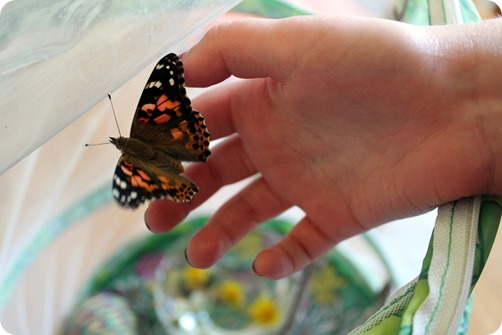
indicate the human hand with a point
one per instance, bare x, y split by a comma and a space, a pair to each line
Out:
352, 120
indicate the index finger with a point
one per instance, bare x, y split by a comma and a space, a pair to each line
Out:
245, 48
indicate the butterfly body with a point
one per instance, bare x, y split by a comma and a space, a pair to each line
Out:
165, 131
135, 149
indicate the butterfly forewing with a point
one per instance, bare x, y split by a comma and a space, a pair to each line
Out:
179, 130
164, 99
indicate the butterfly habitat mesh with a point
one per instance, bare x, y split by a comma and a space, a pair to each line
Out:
58, 60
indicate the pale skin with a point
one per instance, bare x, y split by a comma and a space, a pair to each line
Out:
356, 121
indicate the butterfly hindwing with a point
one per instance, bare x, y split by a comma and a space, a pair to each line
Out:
165, 131
135, 182
190, 139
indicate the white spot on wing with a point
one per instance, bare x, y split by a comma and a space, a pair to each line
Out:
156, 84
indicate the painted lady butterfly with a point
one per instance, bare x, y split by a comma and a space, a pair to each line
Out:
165, 131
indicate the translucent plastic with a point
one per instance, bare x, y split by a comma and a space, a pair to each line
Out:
60, 58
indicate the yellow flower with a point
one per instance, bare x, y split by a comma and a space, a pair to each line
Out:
264, 311
325, 284
195, 278
231, 292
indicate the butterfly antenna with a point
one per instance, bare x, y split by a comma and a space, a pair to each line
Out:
114, 115
116, 122
95, 144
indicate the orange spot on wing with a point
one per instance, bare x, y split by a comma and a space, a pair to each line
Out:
126, 169
143, 175
135, 181
164, 103
164, 181
147, 108
176, 133
149, 187
162, 119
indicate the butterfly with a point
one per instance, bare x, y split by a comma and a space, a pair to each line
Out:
165, 131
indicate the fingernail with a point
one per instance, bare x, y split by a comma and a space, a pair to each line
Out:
181, 55
186, 258
254, 269
146, 221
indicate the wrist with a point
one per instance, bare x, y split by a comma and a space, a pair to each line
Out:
474, 67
